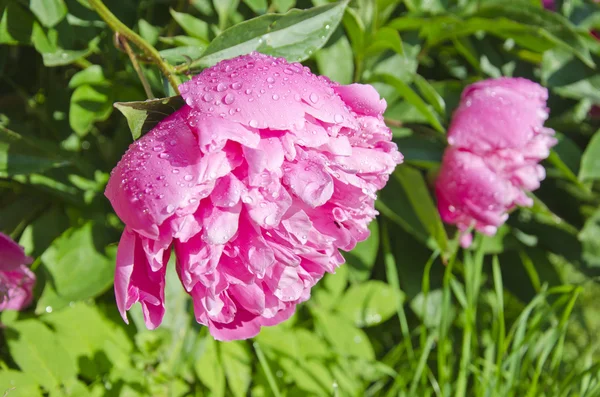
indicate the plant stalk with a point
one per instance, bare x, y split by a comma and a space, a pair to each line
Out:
151, 52
123, 41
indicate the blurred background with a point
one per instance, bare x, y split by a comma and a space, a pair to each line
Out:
410, 314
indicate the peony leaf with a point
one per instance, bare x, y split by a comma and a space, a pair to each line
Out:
590, 161
294, 35
209, 369
49, 12
37, 351
193, 26
18, 384
142, 116
20, 155
237, 362
369, 303
89, 105
344, 337
76, 269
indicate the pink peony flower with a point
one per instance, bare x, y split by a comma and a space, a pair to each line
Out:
255, 183
497, 138
548, 4
16, 280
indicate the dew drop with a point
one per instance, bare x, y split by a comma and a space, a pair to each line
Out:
188, 178
338, 118
271, 219
270, 80
208, 97
221, 87
175, 171
314, 98
236, 85
253, 123
275, 97
170, 209
229, 98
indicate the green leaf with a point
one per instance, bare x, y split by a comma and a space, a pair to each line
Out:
355, 29
88, 105
422, 204
39, 234
183, 41
182, 54
142, 116
237, 362
37, 351
22, 156
548, 25
92, 75
224, 9
294, 35
369, 303
386, 39
429, 308
344, 337
191, 25
283, 5
78, 266
18, 384
421, 151
16, 24
336, 61
86, 332
431, 95
49, 12
209, 368
569, 76
413, 98
590, 161
148, 32
590, 240
258, 6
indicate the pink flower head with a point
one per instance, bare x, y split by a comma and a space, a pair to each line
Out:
16, 280
497, 138
255, 183
548, 4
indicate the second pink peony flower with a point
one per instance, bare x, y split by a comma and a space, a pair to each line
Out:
497, 138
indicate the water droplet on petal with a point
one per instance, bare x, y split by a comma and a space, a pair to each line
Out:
188, 178
229, 98
275, 97
253, 123
338, 118
314, 98
221, 87
236, 85
170, 209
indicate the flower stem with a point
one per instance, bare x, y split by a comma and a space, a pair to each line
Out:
123, 41
151, 52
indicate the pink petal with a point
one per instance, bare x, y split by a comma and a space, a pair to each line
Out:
362, 98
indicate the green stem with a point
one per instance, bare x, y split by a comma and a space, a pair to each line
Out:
151, 52
137, 67
267, 370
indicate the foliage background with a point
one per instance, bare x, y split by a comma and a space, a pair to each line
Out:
409, 314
